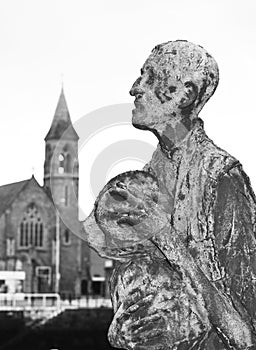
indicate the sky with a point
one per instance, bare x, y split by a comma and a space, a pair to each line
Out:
96, 49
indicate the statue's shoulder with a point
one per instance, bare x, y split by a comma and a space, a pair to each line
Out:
215, 160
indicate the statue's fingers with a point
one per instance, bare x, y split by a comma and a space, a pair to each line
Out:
158, 346
146, 322
139, 304
131, 308
149, 337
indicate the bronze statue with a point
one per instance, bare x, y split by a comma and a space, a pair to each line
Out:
182, 230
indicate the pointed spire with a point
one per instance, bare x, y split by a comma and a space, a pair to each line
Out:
62, 112
61, 122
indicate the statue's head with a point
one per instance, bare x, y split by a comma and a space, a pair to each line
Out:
128, 211
131, 208
176, 81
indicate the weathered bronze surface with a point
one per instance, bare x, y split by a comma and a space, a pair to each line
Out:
183, 230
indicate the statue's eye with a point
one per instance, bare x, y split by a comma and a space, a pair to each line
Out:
172, 89
155, 197
151, 77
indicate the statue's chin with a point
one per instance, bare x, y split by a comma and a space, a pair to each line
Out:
138, 120
141, 120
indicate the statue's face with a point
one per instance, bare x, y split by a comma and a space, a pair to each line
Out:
158, 95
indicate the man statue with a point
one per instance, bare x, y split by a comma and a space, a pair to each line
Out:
191, 286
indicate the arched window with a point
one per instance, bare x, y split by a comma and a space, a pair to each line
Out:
65, 163
31, 228
67, 238
61, 163
68, 166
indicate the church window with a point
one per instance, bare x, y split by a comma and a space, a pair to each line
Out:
41, 237
67, 238
68, 163
61, 163
26, 233
65, 161
10, 247
31, 228
22, 234
36, 233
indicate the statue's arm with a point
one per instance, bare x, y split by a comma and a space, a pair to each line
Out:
235, 244
231, 324
231, 310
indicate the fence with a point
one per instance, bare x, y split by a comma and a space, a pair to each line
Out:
29, 301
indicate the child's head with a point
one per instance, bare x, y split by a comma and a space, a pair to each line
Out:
127, 212
130, 209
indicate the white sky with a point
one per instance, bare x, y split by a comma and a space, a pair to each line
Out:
100, 47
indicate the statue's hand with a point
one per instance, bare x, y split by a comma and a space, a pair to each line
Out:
137, 325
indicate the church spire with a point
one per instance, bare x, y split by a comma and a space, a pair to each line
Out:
61, 122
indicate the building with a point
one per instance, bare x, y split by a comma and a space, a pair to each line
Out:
40, 248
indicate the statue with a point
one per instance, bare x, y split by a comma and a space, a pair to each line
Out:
183, 230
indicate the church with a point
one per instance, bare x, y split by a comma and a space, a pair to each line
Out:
40, 248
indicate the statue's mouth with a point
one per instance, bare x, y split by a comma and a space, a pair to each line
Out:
131, 218
138, 103
126, 218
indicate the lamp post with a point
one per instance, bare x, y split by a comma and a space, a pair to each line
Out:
57, 254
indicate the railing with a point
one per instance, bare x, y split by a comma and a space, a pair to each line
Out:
35, 302
29, 301
89, 302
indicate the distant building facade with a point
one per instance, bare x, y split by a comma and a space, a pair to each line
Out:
35, 242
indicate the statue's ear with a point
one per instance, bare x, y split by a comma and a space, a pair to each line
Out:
189, 95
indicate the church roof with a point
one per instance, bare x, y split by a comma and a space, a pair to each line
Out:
9, 192
61, 122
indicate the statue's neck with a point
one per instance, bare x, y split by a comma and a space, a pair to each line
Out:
172, 136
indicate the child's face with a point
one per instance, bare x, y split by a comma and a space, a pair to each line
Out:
128, 208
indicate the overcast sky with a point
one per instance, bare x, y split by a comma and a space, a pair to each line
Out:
99, 47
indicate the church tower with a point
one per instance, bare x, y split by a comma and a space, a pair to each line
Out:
61, 147
61, 180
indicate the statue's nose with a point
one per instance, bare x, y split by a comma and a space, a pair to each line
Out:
136, 88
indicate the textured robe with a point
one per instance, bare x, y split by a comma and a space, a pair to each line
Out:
213, 210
